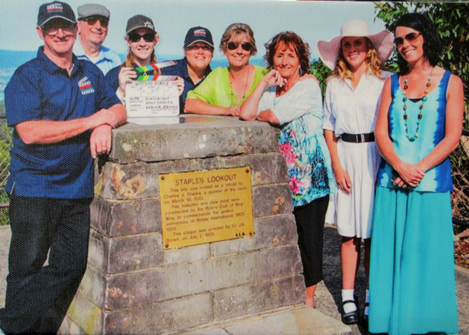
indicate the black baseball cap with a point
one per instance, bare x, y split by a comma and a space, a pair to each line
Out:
139, 21
198, 34
55, 10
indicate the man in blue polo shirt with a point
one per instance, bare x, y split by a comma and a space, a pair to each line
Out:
195, 66
62, 112
93, 22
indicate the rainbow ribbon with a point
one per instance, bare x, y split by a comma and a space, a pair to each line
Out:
142, 72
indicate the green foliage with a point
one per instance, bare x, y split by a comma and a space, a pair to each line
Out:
321, 72
5, 145
452, 22
460, 169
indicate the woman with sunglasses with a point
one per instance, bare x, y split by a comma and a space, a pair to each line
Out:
412, 280
286, 97
350, 109
225, 89
141, 39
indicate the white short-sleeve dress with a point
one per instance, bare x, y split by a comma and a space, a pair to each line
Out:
353, 111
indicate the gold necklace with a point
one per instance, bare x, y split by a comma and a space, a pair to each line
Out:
420, 116
245, 86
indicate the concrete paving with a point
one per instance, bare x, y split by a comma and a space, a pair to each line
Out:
323, 320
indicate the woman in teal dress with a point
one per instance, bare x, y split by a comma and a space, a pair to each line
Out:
412, 279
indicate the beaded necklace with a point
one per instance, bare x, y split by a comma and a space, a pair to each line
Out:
419, 118
245, 86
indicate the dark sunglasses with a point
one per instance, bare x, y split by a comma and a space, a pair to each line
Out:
93, 19
234, 45
411, 37
148, 37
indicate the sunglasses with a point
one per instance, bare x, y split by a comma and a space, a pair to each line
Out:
234, 45
53, 29
411, 37
148, 37
93, 19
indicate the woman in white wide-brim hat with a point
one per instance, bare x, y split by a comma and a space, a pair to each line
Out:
350, 108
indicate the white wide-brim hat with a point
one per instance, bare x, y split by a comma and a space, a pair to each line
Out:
382, 41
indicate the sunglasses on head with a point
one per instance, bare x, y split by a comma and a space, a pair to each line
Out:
93, 19
148, 37
234, 45
411, 37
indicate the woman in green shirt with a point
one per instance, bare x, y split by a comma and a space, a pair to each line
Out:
226, 88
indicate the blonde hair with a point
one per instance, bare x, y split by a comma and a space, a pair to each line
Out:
130, 59
373, 64
238, 29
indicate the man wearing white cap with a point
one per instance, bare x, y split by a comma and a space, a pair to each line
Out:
93, 22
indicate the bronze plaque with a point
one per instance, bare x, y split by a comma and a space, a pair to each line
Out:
206, 206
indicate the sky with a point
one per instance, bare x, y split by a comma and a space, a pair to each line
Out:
311, 20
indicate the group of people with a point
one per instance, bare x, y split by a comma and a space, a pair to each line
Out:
373, 158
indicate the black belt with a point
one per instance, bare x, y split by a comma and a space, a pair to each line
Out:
358, 138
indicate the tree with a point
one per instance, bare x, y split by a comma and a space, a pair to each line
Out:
321, 71
452, 22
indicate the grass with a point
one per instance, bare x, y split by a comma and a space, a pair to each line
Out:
5, 145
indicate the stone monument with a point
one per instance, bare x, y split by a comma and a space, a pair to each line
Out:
191, 225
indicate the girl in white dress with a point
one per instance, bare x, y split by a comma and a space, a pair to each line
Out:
351, 102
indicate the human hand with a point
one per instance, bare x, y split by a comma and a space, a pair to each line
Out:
104, 116
100, 140
126, 76
234, 110
409, 174
273, 78
180, 85
343, 180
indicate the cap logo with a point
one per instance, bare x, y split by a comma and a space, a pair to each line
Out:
85, 86
55, 7
199, 32
148, 25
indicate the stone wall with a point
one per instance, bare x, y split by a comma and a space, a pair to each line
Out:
133, 285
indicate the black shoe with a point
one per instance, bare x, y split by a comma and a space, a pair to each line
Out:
350, 318
365, 316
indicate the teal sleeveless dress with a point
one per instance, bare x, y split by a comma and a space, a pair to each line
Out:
412, 278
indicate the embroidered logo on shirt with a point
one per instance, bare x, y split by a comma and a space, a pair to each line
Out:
199, 32
85, 86
55, 7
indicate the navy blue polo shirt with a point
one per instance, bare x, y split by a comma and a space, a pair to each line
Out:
112, 77
40, 90
180, 69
